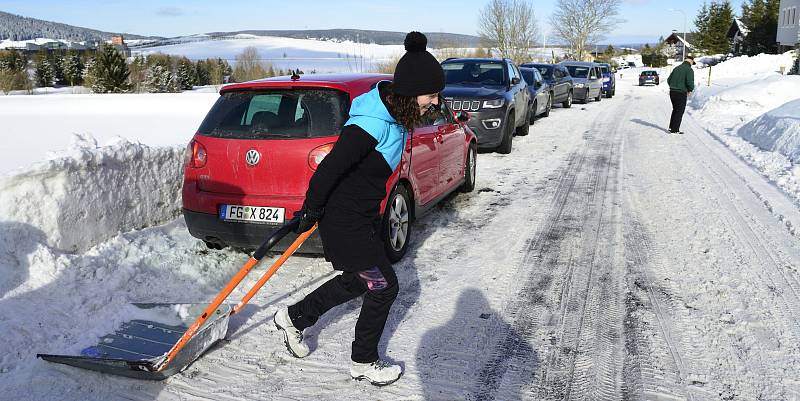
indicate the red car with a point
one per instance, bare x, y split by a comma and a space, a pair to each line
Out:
248, 166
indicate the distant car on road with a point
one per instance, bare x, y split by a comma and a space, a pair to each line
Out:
609, 81
541, 93
559, 80
494, 94
649, 77
587, 79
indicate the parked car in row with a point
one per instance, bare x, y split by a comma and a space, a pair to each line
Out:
609, 81
649, 77
494, 94
557, 76
541, 93
248, 166
587, 80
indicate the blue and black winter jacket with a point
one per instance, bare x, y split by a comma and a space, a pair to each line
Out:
350, 183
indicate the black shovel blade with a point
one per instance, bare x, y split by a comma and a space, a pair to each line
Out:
141, 343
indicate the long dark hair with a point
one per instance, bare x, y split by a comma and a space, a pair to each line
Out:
404, 109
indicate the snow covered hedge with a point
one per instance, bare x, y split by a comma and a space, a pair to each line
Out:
777, 130
92, 193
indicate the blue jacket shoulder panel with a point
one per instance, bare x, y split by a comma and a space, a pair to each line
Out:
369, 113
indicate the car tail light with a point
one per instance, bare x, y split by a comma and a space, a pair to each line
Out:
317, 154
195, 155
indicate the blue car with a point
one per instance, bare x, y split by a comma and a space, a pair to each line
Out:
609, 82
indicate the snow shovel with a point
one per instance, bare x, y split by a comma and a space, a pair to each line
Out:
163, 339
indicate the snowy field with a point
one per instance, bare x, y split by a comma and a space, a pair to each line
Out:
602, 259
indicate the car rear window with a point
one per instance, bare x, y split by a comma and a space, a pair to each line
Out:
270, 114
653, 73
578, 71
474, 73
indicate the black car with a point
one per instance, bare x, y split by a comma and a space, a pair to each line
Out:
494, 94
541, 93
559, 80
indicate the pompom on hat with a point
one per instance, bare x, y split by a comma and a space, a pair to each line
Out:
417, 72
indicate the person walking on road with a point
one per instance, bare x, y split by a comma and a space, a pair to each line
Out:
681, 85
344, 196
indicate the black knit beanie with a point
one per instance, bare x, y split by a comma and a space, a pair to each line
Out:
417, 72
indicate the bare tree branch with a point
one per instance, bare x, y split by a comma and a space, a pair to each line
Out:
511, 26
582, 22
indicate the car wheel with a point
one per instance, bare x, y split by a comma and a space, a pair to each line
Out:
469, 168
508, 136
397, 223
549, 106
525, 128
532, 116
568, 103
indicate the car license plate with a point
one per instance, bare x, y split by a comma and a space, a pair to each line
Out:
251, 214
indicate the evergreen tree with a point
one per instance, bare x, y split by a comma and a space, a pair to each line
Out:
761, 19
57, 60
186, 74
202, 73
701, 23
110, 72
73, 68
712, 24
44, 70
12, 71
160, 80
138, 69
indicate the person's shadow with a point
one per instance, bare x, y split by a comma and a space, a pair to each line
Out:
475, 356
649, 124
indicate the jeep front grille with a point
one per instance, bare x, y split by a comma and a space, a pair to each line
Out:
463, 104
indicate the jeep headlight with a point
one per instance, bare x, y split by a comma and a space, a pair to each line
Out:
579, 85
493, 104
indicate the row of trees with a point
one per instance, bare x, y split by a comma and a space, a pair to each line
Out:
760, 18
511, 27
107, 71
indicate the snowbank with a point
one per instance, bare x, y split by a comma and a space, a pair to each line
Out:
754, 110
90, 194
777, 131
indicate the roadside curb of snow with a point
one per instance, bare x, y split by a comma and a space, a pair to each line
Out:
88, 194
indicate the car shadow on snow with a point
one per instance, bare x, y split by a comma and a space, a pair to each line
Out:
476, 355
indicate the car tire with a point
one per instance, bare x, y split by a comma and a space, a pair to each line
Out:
525, 128
532, 116
568, 103
549, 105
396, 231
508, 136
469, 168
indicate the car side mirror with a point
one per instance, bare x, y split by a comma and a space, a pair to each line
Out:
515, 81
462, 116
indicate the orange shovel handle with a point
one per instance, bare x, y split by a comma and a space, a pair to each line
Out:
243, 272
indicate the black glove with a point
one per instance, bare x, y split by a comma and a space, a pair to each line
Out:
308, 217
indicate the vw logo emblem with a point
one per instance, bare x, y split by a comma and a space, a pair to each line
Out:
252, 157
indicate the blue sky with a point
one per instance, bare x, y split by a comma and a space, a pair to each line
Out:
645, 20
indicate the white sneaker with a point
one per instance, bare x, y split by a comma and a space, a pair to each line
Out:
292, 337
379, 373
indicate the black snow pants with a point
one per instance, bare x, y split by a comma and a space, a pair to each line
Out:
379, 284
678, 100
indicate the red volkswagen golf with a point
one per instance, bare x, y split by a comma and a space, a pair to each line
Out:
248, 166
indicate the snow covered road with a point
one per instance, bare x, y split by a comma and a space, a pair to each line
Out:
602, 259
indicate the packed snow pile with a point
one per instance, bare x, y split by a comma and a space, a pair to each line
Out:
755, 110
88, 194
777, 130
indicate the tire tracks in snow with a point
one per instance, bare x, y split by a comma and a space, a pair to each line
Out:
570, 296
